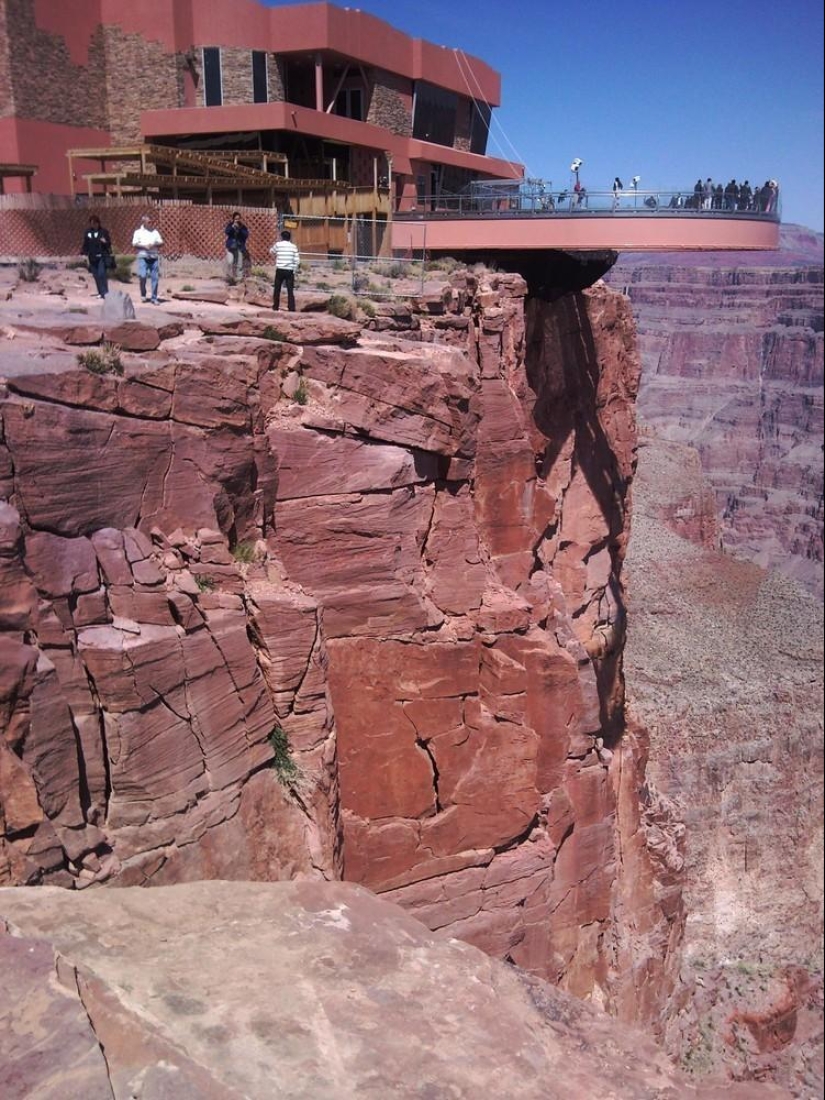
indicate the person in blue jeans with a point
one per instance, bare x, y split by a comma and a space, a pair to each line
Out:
237, 256
97, 248
147, 241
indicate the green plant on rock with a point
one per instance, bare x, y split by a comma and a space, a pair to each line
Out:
103, 360
282, 762
271, 333
28, 271
301, 395
205, 584
368, 307
187, 288
244, 552
340, 306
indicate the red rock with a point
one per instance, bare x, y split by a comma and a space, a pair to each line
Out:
133, 336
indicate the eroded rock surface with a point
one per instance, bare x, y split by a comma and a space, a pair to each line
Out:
301, 989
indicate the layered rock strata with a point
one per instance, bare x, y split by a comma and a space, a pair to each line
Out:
744, 335
295, 597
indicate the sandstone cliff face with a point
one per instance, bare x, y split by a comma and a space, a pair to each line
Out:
400, 549
743, 335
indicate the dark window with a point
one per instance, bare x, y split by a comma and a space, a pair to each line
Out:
479, 127
259, 85
212, 91
434, 114
349, 104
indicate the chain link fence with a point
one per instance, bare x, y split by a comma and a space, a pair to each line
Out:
338, 255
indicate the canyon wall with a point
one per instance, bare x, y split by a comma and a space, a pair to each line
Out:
732, 356
297, 596
724, 665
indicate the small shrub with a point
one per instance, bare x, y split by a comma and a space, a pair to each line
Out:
78, 309
102, 360
444, 263
244, 552
339, 265
368, 308
397, 270
186, 288
271, 333
339, 306
28, 271
205, 584
76, 265
282, 761
301, 395
321, 285
123, 269
259, 273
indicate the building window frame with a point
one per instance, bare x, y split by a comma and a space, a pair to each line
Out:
260, 85
349, 103
212, 67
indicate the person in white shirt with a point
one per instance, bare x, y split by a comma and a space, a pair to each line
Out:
147, 241
287, 261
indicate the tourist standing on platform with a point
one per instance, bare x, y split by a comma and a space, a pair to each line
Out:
237, 256
147, 241
287, 261
618, 187
97, 248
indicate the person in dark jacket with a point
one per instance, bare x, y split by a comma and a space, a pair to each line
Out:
237, 235
97, 248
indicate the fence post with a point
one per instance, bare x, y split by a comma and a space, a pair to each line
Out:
423, 257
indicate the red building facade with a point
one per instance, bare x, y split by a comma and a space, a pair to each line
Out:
342, 94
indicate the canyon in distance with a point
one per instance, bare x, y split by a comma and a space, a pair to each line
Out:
450, 669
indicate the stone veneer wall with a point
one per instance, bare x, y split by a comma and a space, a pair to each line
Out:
236, 77
39, 53
276, 85
463, 124
6, 87
124, 74
140, 76
388, 104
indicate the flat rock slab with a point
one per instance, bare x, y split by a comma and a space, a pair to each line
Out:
303, 989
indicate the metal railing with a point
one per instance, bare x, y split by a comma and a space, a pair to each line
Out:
538, 199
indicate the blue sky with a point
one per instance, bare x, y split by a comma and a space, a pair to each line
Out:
668, 90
